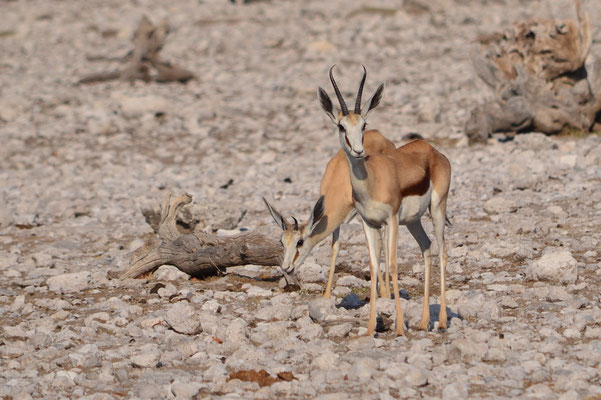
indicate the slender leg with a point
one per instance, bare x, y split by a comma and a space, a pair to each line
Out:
438, 220
371, 234
393, 228
418, 233
335, 251
384, 286
384, 233
442, 320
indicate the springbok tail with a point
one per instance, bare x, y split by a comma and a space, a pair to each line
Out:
412, 136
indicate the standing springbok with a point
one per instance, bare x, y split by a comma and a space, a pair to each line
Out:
334, 207
393, 188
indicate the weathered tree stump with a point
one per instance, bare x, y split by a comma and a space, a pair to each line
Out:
541, 78
199, 253
144, 61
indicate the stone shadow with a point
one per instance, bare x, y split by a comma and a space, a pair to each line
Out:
435, 314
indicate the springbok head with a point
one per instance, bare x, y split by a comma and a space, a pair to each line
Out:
296, 238
351, 124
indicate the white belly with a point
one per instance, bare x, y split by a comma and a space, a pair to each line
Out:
413, 207
373, 212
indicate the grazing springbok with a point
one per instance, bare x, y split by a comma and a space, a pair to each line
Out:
391, 189
334, 207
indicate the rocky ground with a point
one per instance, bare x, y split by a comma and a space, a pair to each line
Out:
78, 162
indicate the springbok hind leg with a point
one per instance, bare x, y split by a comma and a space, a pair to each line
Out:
438, 220
420, 236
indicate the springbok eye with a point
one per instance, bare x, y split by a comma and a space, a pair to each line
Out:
300, 243
341, 128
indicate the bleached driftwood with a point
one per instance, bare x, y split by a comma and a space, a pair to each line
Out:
541, 78
144, 61
199, 253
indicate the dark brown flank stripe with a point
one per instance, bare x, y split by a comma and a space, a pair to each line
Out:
418, 188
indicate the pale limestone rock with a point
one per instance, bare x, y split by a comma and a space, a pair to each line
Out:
68, 283
555, 266
183, 318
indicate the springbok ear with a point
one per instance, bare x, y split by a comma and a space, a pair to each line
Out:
277, 217
373, 101
317, 213
326, 104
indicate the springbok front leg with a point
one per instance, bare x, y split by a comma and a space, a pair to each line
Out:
383, 282
335, 251
372, 234
392, 229
420, 236
384, 289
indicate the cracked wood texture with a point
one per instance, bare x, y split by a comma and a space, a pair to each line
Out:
541, 78
199, 253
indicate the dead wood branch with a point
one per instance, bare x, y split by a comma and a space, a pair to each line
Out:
203, 217
538, 73
199, 253
144, 61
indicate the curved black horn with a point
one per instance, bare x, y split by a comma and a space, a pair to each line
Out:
295, 224
338, 94
360, 92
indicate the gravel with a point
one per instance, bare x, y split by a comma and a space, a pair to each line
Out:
79, 163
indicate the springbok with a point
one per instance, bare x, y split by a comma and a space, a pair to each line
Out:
334, 207
391, 189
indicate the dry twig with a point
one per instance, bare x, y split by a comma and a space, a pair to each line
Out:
144, 61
